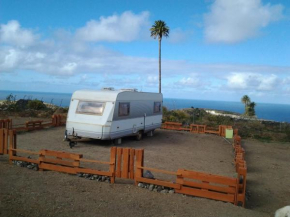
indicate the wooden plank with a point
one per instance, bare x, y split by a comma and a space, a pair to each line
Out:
131, 166
62, 154
207, 186
95, 161
57, 161
18, 158
207, 177
25, 151
119, 162
113, 163
5, 151
158, 170
57, 168
1, 141
125, 164
139, 163
207, 194
158, 182
93, 171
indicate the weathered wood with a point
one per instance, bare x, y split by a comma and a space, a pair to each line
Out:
206, 194
57, 168
158, 182
61, 154
93, 171
25, 151
36, 161
131, 166
113, 163
1, 141
125, 164
157, 170
58, 161
139, 163
119, 162
6, 140
207, 177
95, 161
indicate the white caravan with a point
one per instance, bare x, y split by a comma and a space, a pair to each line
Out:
112, 114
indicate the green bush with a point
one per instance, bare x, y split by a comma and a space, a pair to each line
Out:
36, 105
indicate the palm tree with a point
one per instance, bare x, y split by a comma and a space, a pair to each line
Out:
158, 30
246, 100
251, 109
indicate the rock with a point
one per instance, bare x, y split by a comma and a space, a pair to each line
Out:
148, 175
155, 190
151, 187
19, 163
92, 178
80, 175
159, 188
87, 176
103, 178
108, 181
30, 167
99, 179
171, 191
95, 176
164, 191
35, 168
141, 185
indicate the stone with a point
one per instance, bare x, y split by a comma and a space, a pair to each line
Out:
159, 188
164, 191
171, 191
141, 185
80, 175
35, 168
155, 190
30, 167
103, 178
19, 163
148, 175
92, 178
95, 176
151, 187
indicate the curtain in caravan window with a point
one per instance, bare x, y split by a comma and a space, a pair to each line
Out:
124, 109
86, 107
157, 107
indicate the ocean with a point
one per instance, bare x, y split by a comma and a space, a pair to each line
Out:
267, 111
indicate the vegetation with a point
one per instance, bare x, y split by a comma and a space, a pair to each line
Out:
266, 131
249, 106
158, 30
28, 108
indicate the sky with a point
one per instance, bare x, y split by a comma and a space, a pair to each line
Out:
216, 49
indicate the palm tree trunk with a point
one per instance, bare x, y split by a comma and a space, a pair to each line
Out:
159, 65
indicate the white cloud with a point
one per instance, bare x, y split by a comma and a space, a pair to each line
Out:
252, 81
12, 33
189, 82
178, 35
231, 21
125, 27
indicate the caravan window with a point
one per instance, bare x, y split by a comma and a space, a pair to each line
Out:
157, 107
124, 109
89, 107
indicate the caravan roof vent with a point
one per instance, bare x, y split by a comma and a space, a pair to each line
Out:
108, 88
132, 90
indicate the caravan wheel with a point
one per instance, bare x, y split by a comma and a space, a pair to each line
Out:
139, 135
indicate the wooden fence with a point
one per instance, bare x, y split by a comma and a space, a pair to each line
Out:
128, 163
196, 128
56, 121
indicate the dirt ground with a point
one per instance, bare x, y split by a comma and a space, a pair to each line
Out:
24, 192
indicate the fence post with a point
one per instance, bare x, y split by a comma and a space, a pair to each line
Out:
113, 163
1, 140
12, 144
139, 163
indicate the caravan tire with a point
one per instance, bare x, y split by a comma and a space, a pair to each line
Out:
139, 135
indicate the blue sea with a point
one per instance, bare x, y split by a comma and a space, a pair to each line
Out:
267, 111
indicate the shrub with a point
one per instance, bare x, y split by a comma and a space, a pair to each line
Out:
36, 105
